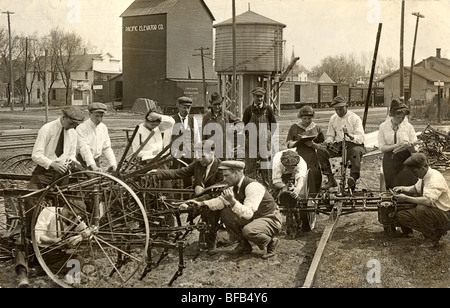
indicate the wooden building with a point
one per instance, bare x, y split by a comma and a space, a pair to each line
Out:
159, 41
259, 55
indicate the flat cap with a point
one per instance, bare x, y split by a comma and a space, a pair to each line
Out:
416, 160
290, 158
338, 101
73, 113
259, 90
97, 107
232, 165
184, 100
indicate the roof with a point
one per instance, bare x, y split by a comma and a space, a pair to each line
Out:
84, 62
155, 7
444, 61
426, 73
325, 79
250, 18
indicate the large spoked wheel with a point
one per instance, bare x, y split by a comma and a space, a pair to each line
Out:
101, 228
308, 218
18, 164
8, 225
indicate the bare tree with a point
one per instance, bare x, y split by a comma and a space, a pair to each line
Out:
64, 47
342, 69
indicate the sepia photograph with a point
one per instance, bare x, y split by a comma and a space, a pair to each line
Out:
225, 150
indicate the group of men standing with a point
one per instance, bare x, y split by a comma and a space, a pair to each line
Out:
203, 158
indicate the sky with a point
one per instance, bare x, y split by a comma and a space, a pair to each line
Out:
314, 29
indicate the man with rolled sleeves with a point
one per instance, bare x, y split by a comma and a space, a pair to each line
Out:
94, 141
53, 152
248, 211
343, 124
431, 195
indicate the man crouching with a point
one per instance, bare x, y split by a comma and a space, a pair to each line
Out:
249, 211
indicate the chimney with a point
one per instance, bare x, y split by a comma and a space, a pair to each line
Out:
438, 53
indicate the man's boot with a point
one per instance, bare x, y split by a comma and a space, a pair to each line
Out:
271, 248
330, 183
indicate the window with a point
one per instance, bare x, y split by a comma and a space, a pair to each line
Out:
77, 95
38, 93
86, 75
53, 94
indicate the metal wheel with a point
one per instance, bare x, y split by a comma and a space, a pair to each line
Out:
308, 218
104, 245
8, 225
18, 164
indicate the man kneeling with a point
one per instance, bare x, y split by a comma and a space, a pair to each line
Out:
249, 211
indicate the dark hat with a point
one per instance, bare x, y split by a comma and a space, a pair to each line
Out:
232, 165
215, 97
73, 113
338, 101
184, 100
306, 111
398, 106
290, 158
97, 107
416, 160
259, 90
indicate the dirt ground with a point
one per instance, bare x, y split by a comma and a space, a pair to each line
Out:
359, 254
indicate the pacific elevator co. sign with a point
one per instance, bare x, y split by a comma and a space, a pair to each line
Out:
143, 28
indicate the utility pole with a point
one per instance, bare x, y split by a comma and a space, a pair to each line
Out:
25, 75
11, 79
418, 15
203, 53
402, 93
234, 81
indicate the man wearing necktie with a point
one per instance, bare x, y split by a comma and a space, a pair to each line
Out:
186, 128
54, 148
248, 211
431, 195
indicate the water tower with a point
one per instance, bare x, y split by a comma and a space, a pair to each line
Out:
259, 58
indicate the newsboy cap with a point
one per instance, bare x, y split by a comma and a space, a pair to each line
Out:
232, 165
73, 113
259, 90
416, 160
338, 101
97, 107
184, 100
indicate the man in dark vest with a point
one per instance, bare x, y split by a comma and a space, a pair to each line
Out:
186, 128
248, 211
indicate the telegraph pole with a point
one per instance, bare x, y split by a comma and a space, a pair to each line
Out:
11, 79
402, 93
25, 75
234, 81
418, 15
203, 52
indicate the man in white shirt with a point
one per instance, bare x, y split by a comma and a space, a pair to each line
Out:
53, 152
248, 211
344, 124
93, 140
431, 216
281, 168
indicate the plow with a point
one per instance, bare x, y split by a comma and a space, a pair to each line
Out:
131, 222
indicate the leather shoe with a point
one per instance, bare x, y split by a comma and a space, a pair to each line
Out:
271, 248
351, 182
244, 247
331, 183
23, 283
212, 251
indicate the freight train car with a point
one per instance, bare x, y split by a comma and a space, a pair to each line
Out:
294, 94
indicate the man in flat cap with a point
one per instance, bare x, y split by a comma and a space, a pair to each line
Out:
53, 152
206, 173
431, 195
220, 124
186, 135
344, 124
248, 211
258, 145
94, 141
